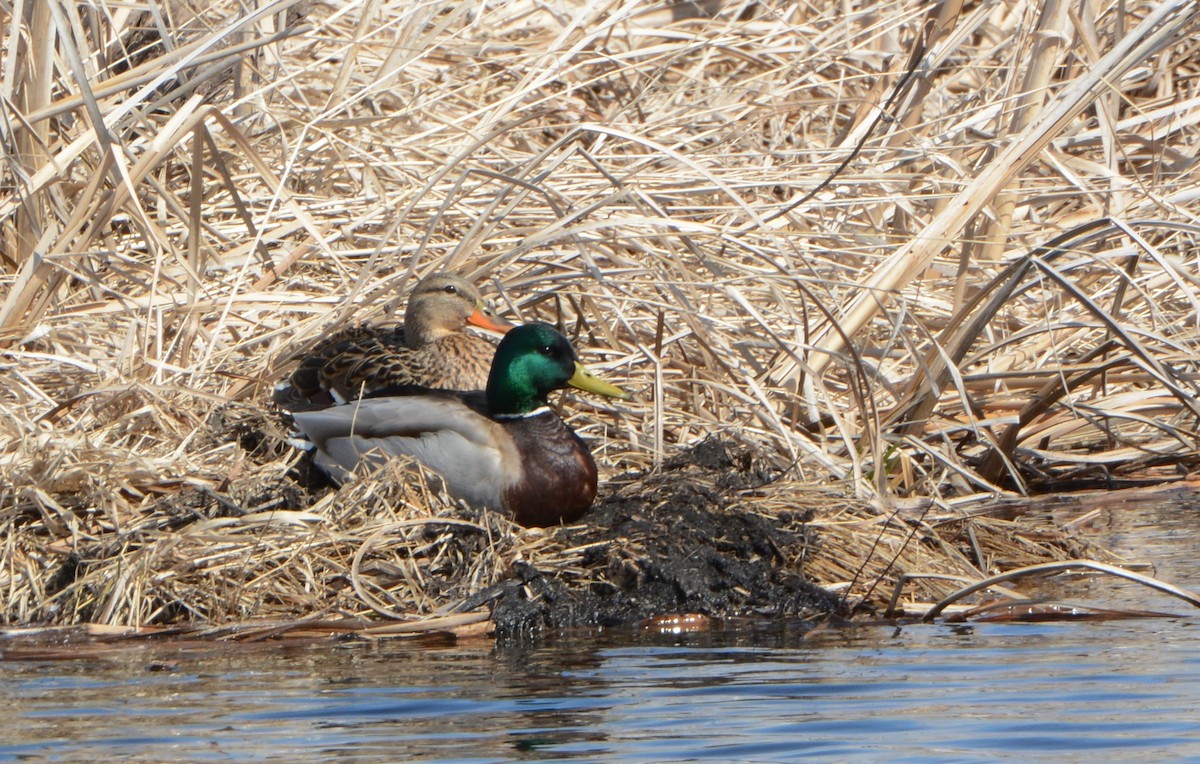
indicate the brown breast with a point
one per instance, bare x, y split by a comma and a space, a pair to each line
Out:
559, 480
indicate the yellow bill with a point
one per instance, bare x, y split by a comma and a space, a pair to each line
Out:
585, 380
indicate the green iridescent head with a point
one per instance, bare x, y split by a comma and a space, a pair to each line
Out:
533, 360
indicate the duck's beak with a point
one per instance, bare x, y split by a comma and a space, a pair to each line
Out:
585, 380
484, 318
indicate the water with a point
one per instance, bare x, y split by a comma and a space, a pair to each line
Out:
1067, 691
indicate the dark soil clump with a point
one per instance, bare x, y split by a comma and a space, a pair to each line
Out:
685, 539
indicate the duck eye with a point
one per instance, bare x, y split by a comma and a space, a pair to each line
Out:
546, 350
450, 289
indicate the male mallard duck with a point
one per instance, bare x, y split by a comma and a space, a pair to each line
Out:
504, 449
430, 350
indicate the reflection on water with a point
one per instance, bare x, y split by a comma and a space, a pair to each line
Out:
1062, 691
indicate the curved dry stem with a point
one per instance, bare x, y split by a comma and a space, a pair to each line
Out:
1053, 567
368, 543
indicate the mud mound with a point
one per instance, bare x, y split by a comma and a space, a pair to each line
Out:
683, 539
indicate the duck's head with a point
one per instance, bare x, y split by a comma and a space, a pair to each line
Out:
533, 360
444, 303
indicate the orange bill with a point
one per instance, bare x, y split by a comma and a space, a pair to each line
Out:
484, 318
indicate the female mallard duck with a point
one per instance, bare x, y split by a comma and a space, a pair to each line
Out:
504, 449
430, 350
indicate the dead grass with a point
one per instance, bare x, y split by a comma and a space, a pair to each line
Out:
929, 260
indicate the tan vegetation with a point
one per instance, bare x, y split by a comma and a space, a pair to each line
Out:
919, 257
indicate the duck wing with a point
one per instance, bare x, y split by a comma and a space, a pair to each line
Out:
362, 364
473, 453
337, 363
454, 362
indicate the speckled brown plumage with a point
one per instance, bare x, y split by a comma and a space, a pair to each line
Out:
353, 368
431, 350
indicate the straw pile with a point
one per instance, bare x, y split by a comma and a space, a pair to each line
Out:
905, 258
